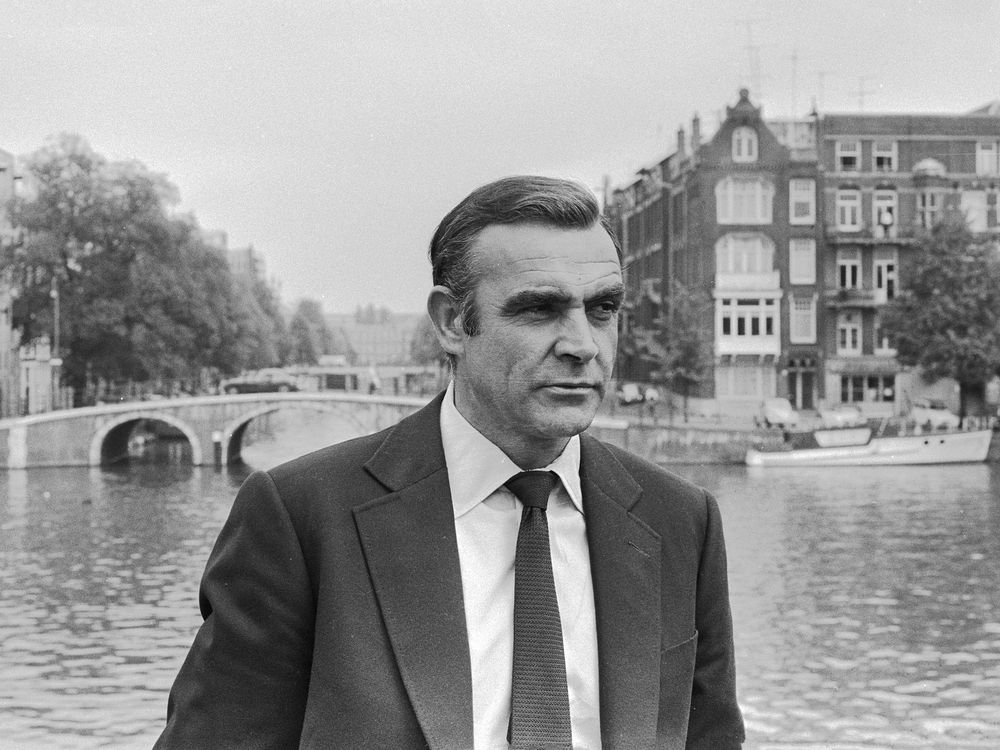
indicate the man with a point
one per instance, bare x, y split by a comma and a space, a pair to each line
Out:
365, 596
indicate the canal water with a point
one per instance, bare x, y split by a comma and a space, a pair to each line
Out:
866, 601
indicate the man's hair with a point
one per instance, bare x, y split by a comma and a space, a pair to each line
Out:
523, 199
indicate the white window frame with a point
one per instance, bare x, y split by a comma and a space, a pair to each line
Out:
739, 253
987, 158
886, 271
975, 211
882, 347
744, 200
849, 210
929, 204
885, 150
849, 334
848, 149
802, 193
748, 318
884, 201
802, 320
848, 268
745, 144
802, 260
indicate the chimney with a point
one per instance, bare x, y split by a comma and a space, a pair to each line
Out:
695, 132
680, 142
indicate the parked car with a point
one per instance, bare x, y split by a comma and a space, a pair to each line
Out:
776, 412
841, 415
263, 381
629, 393
935, 412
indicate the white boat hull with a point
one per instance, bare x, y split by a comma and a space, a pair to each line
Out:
930, 448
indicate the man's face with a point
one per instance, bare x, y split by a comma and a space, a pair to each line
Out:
536, 372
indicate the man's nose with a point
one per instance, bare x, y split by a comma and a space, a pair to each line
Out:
576, 337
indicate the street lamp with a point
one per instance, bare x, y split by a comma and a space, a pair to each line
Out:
55, 361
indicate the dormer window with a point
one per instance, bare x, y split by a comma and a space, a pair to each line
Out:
744, 144
848, 156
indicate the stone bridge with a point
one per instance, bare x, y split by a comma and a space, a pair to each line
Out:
213, 425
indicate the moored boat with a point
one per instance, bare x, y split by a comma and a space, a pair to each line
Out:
868, 446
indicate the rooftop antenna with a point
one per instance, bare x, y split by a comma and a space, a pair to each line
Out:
795, 76
821, 80
753, 57
862, 91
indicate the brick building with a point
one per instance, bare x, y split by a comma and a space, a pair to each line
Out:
888, 178
735, 218
796, 231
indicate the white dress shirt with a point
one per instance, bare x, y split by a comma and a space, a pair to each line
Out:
487, 517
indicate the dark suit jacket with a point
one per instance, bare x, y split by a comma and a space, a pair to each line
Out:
334, 617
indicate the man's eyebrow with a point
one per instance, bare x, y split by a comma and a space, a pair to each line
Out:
615, 292
534, 298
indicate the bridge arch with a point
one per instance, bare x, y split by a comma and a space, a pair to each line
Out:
120, 426
232, 432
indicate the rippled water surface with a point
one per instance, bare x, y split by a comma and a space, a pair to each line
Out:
867, 601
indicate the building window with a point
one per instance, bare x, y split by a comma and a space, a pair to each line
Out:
856, 389
803, 322
885, 278
848, 156
885, 209
986, 159
802, 199
744, 144
973, 205
928, 208
744, 200
884, 157
802, 261
848, 334
744, 253
871, 388
849, 210
848, 268
748, 318
882, 346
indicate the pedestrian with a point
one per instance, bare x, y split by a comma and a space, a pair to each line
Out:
480, 575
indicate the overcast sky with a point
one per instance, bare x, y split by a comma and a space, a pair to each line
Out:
333, 136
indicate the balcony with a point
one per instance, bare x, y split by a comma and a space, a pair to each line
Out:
747, 282
869, 235
754, 345
839, 298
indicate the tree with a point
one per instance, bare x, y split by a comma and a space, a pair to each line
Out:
308, 333
675, 345
142, 297
946, 317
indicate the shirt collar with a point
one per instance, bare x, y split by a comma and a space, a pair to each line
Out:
477, 467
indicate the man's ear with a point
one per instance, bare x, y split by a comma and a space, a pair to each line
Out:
446, 317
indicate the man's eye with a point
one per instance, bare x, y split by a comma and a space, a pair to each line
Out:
604, 311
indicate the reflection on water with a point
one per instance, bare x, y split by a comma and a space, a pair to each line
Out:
865, 601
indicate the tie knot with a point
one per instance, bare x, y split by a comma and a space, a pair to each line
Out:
532, 487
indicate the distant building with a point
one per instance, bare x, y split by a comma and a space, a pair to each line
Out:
374, 335
244, 261
888, 178
735, 218
796, 230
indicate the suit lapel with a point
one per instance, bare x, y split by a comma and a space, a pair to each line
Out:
409, 542
625, 567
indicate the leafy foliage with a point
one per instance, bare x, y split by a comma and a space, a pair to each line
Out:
675, 345
142, 296
308, 334
946, 318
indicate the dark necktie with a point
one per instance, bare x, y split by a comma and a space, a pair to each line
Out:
539, 696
